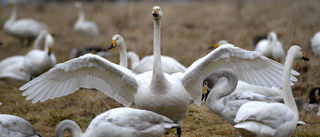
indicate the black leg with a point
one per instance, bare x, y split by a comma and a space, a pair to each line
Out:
179, 131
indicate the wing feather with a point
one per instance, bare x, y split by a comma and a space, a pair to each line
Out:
250, 66
88, 71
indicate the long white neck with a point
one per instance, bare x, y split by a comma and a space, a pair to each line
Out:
134, 58
286, 88
226, 89
158, 78
13, 16
81, 15
123, 54
39, 40
70, 125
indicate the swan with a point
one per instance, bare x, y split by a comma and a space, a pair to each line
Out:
22, 28
271, 47
169, 64
83, 26
38, 61
218, 98
123, 121
165, 94
11, 125
13, 67
315, 44
258, 118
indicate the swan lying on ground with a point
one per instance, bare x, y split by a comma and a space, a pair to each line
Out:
271, 47
39, 61
124, 122
315, 44
257, 118
169, 64
13, 67
165, 94
14, 126
83, 26
22, 28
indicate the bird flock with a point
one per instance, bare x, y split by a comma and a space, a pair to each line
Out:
251, 90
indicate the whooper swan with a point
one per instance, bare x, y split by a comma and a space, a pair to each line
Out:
39, 61
83, 26
271, 47
22, 28
169, 64
11, 125
124, 122
165, 94
258, 118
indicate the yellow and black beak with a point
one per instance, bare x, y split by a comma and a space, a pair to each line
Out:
49, 51
205, 93
155, 13
113, 44
304, 57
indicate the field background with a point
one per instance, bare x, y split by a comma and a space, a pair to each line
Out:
188, 29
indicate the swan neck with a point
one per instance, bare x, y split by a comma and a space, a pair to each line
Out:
38, 41
123, 55
13, 16
81, 15
158, 77
286, 87
228, 87
72, 126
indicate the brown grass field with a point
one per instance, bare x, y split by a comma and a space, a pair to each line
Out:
188, 29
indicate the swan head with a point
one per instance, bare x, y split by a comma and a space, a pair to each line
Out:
156, 12
297, 52
116, 39
219, 43
208, 83
272, 36
78, 5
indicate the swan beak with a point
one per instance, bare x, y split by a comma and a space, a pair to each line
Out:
49, 51
155, 12
304, 57
113, 44
205, 93
94, 52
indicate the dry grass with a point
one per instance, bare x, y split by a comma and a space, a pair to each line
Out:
188, 28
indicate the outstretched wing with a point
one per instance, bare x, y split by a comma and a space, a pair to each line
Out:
88, 71
250, 66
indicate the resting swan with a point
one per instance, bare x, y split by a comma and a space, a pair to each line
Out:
258, 118
22, 28
165, 94
39, 61
169, 64
11, 125
13, 67
83, 26
315, 44
271, 47
124, 122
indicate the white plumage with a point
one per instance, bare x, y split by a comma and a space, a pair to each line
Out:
217, 93
271, 47
258, 118
120, 122
83, 26
165, 94
13, 67
22, 28
14, 126
39, 61
315, 44
169, 64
